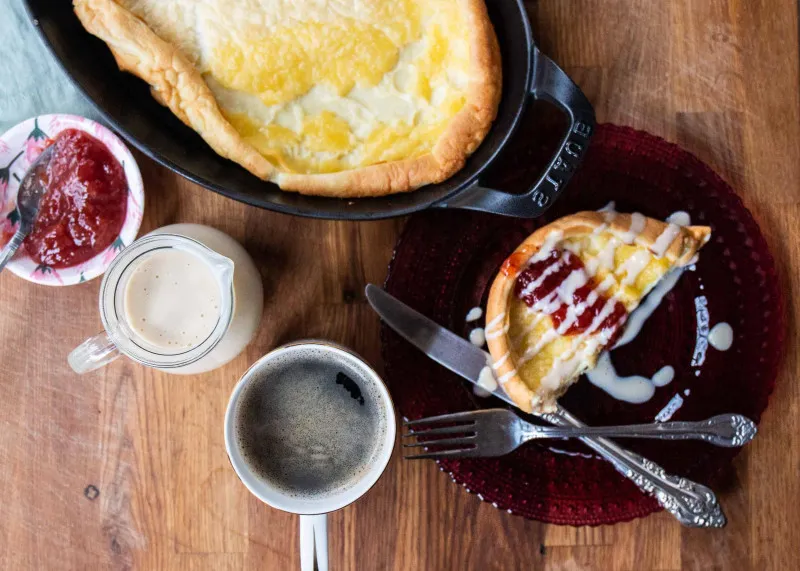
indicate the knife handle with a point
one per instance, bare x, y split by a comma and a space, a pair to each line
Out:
692, 504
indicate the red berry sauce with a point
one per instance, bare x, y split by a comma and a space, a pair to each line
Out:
552, 271
84, 208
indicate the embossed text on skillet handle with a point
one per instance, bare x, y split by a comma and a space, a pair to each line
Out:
692, 504
548, 83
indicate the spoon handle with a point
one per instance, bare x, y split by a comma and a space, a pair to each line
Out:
13, 245
727, 430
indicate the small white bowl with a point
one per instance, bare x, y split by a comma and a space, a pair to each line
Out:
19, 147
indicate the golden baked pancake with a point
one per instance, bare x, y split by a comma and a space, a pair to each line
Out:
565, 293
325, 97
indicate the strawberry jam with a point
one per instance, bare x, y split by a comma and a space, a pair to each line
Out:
559, 283
85, 205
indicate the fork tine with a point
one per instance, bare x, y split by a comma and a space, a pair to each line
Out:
458, 453
443, 442
462, 428
455, 417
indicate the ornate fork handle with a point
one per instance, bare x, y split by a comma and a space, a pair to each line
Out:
728, 430
692, 504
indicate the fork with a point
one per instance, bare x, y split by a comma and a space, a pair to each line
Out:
495, 432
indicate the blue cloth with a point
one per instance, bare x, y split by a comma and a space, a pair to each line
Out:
31, 81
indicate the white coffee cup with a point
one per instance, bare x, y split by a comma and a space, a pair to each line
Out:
312, 511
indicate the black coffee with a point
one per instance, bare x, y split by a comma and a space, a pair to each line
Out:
310, 423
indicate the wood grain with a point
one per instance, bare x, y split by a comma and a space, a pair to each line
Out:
125, 468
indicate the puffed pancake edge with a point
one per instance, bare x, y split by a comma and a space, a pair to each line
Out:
177, 84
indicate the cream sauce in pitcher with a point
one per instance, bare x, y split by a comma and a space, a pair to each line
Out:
172, 300
185, 299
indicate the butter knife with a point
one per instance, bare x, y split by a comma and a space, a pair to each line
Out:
692, 504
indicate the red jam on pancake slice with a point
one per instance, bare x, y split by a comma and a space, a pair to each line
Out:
560, 287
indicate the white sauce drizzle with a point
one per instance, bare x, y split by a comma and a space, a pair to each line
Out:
721, 336
571, 453
531, 352
605, 258
551, 269
633, 266
562, 295
680, 218
575, 311
477, 337
499, 363
496, 321
474, 314
547, 304
639, 315
665, 240
637, 225
547, 246
670, 408
537, 318
635, 389
486, 380
507, 377
479, 391
701, 338
563, 365
663, 376
609, 213
575, 279
551, 334
498, 332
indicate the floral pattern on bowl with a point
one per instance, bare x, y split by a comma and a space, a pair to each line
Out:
19, 147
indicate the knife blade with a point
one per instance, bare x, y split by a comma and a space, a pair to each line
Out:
437, 342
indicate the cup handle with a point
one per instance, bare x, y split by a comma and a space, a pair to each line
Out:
95, 352
314, 542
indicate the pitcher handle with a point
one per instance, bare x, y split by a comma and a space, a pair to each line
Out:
95, 352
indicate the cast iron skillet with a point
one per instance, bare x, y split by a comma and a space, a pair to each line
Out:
126, 103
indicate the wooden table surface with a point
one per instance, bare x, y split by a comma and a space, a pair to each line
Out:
125, 468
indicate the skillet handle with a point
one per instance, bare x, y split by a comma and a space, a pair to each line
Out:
551, 84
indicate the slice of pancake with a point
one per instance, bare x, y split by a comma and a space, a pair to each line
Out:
565, 293
327, 97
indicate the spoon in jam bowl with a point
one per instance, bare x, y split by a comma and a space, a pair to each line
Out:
31, 190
